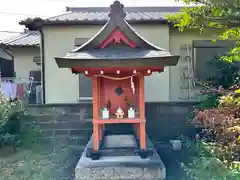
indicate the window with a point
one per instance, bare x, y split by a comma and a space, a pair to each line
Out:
6, 68
37, 60
85, 87
85, 83
206, 50
193, 66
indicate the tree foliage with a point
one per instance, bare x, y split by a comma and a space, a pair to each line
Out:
219, 114
226, 73
220, 15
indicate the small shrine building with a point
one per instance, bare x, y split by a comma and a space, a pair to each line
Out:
117, 58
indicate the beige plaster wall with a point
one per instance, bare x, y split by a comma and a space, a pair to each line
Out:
157, 85
23, 61
62, 86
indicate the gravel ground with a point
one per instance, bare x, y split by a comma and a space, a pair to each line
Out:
40, 162
43, 162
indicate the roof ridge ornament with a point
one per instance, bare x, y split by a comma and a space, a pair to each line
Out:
117, 10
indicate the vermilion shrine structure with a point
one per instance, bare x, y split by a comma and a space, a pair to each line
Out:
116, 59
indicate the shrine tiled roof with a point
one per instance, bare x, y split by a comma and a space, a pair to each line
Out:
117, 44
118, 53
117, 57
26, 39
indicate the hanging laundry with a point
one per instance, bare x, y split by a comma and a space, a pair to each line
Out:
5, 89
20, 91
9, 90
13, 91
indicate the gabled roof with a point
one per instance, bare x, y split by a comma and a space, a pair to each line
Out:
26, 39
99, 16
118, 41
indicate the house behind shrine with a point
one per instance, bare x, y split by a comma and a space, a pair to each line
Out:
62, 33
24, 51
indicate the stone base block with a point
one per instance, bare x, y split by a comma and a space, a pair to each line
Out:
121, 166
119, 173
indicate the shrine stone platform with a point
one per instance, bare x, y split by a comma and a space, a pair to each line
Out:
120, 162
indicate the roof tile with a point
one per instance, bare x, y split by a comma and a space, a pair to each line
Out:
29, 39
92, 14
103, 16
99, 15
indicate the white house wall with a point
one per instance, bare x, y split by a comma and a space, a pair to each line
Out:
63, 87
23, 61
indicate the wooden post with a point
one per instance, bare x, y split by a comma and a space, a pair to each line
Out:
95, 137
142, 128
101, 131
137, 126
143, 135
95, 113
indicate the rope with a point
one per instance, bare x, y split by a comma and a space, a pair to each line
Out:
117, 78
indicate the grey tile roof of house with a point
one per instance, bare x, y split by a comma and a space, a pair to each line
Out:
26, 39
99, 16
101, 13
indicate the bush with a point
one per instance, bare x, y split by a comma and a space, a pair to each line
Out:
222, 124
226, 72
12, 128
204, 165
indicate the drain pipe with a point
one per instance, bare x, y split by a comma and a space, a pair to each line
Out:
42, 65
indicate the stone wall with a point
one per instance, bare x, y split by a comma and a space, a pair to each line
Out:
168, 120
63, 120
165, 120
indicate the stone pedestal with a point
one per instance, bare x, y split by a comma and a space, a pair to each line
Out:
120, 162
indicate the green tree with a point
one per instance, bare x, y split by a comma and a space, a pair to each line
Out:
221, 15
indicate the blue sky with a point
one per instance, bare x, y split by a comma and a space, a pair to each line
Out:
12, 11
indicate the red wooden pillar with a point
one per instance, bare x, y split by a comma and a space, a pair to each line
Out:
95, 92
142, 126
137, 126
